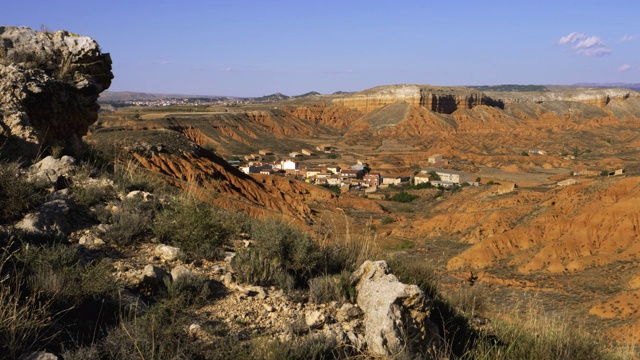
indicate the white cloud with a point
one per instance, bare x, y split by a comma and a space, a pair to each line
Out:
586, 45
165, 62
626, 38
573, 37
623, 68
227, 69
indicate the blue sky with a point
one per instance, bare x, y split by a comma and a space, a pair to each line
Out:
258, 47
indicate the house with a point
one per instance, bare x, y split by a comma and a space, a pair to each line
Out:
308, 152
444, 184
507, 189
294, 154
390, 180
334, 169
352, 174
537, 152
255, 169
373, 179
421, 179
567, 182
234, 162
435, 158
585, 172
325, 148
251, 157
360, 166
454, 176
265, 152
289, 164
334, 180
310, 172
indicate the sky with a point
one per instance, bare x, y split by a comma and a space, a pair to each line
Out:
260, 47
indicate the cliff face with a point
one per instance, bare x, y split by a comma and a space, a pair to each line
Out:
49, 85
443, 100
447, 100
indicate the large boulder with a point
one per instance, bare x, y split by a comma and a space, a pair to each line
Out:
396, 315
49, 86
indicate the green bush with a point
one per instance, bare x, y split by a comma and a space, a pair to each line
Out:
309, 347
197, 228
404, 197
17, 194
93, 194
56, 272
253, 267
289, 246
328, 288
130, 222
387, 220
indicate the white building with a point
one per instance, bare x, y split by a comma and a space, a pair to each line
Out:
289, 164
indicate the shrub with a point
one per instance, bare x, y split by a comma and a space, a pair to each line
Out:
531, 335
253, 267
197, 228
327, 288
311, 347
131, 221
55, 271
289, 246
17, 194
93, 194
404, 197
24, 319
387, 220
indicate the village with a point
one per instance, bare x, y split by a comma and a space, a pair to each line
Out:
358, 176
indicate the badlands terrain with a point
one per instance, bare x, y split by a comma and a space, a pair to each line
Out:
573, 248
217, 228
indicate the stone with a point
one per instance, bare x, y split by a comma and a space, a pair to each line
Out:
391, 308
90, 240
347, 311
228, 280
314, 319
154, 273
180, 272
140, 195
53, 219
49, 87
268, 308
194, 328
229, 255
39, 355
51, 169
167, 252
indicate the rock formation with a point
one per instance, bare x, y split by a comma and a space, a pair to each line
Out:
49, 85
393, 312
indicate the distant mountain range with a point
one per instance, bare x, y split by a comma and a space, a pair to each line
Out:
635, 86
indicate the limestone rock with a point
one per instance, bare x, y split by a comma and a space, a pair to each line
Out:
49, 85
167, 252
53, 219
347, 311
314, 319
39, 355
140, 195
51, 169
180, 272
390, 308
153, 274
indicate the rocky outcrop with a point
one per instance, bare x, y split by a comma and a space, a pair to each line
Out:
447, 100
49, 85
443, 100
393, 312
